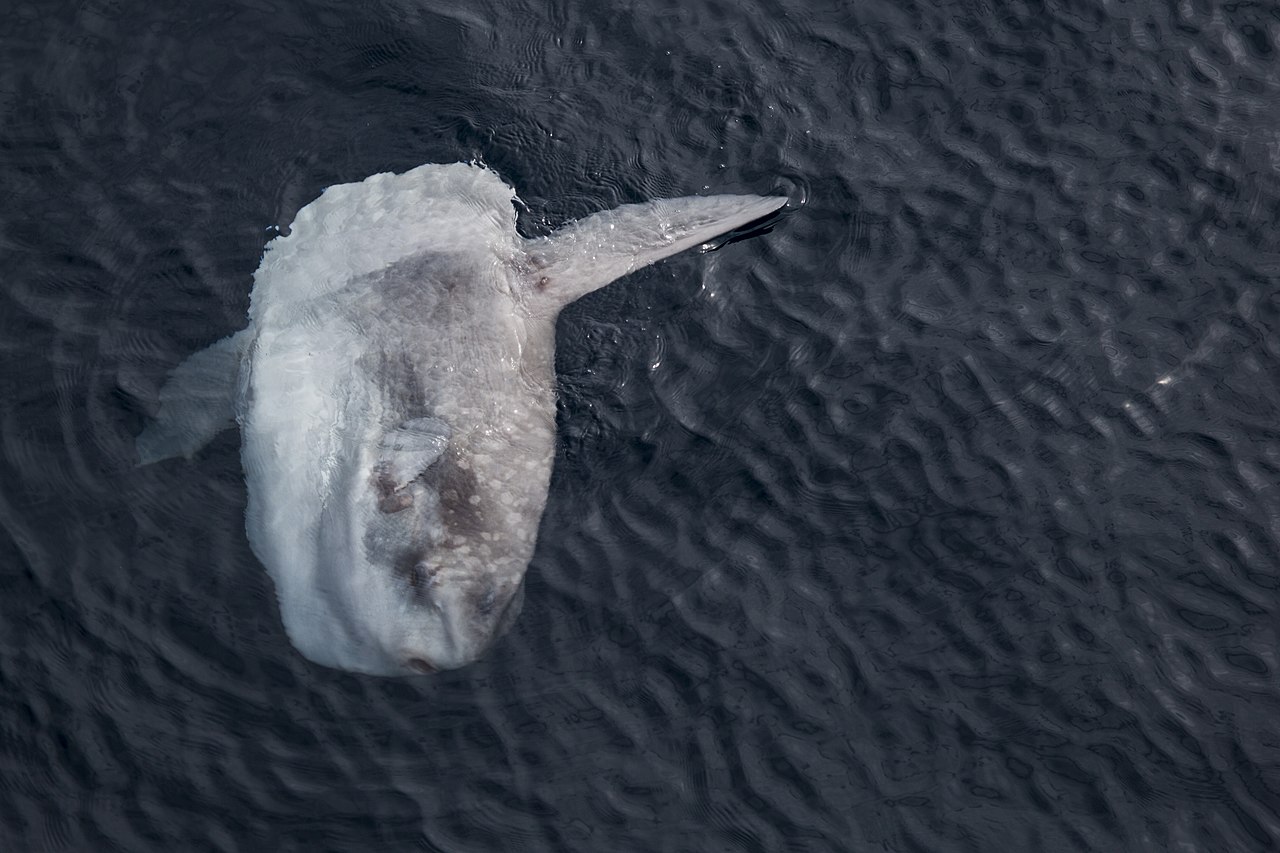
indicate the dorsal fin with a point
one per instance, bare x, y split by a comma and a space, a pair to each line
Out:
591, 252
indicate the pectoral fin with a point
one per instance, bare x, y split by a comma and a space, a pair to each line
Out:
412, 448
591, 252
198, 401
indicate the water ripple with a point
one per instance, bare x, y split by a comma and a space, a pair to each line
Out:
941, 517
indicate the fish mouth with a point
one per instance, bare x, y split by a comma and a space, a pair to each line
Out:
422, 666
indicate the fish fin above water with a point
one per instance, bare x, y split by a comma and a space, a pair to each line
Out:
197, 402
412, 448
591, 252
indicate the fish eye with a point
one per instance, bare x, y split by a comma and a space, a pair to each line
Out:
421, 577
420, 665
487, 599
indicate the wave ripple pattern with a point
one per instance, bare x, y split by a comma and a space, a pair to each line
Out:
943, 517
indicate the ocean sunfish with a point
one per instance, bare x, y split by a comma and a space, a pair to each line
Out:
395, 393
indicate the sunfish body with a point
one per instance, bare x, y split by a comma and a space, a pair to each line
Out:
395, 392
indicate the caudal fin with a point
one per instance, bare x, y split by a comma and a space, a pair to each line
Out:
591, 252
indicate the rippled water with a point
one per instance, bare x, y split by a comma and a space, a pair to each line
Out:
944, 517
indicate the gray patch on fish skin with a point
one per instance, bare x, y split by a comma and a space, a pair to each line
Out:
461, 500
391, 498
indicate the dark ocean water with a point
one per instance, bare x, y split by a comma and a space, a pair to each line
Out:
945, 517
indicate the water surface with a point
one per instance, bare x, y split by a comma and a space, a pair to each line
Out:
944, 517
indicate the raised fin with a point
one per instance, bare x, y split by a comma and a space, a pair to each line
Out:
412, 448
197, 402
591, 252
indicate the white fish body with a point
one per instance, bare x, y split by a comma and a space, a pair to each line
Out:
395, 392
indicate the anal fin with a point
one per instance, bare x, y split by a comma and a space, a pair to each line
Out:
197, 402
